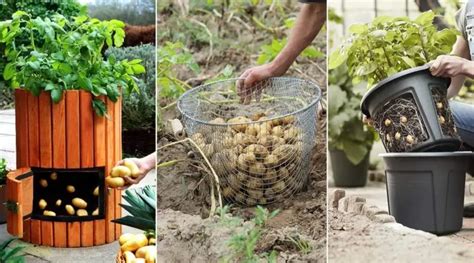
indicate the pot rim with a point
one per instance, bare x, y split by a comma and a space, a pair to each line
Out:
427, 154
363, 104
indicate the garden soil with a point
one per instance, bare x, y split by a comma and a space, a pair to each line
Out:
186, 233
352, 238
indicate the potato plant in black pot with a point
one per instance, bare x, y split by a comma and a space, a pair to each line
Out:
3, 190
408, 106
350, 141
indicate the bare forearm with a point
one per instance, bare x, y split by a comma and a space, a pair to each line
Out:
460, 49
149, 161
309, 22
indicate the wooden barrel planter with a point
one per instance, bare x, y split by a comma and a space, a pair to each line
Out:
80, 148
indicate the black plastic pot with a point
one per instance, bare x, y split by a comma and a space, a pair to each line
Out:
419, 84
425, 191
345, 173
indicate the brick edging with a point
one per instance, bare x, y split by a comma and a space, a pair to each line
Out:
338, 200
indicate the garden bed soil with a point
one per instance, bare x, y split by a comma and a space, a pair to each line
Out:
184, 201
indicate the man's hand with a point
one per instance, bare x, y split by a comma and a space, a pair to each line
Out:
145, 165
252, 76
449, 66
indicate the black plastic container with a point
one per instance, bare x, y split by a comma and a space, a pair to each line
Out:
345, 173
425, 191
418, 85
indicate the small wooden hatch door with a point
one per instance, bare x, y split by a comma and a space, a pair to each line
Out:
19, 199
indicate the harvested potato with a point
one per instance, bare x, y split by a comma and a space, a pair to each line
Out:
253, 129
258, 116
198, 138
43, 183
228, 142
270, 176
249, 157
217, 121
441, 119
235, 181
265, 129
70, 210
439, 105
95, 212
283, 172
125, 237
144, 251
129, 257
258, 150
410, 139
291, 134
79, 203
284, 153
96, 191
114, 182
82, 212
257, 169
254, 183
239, 123
42, 204
269, 193
49, 213
152, 241
120, 171
242, 163
53, 176
279, 187
132, 166
139, 240
403, 119
397, 136
271, 161
59, 202
227, 192
255, 194
387, 122
208, 149
240, 198
277, 131
287, 120
70, 189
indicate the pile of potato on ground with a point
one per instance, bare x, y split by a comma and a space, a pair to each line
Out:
256, 159
77, 206
137, 248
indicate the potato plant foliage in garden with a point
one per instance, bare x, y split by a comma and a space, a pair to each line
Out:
56, 54
389, 45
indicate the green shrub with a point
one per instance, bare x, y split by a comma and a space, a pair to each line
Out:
67, 8
139, 108
3, 171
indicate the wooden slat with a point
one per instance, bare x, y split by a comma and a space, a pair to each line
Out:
47, 237
110, 205
74, 234
73, 129
118, 212
87, 130
35, 231
60, 234
99, 232
33, 131
45, 130
59, 134
26, 230
100, 140
27, 190
118, 156
87, 234
15, 193
21, 125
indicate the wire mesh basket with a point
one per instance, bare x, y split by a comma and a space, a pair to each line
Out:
261, 149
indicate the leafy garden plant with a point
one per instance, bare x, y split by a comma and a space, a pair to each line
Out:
55, 54
11, 255
3, 171
391, 44
347, 132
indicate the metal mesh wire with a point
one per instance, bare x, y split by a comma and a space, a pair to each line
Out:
260, 150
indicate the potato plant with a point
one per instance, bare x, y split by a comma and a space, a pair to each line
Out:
257, 160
